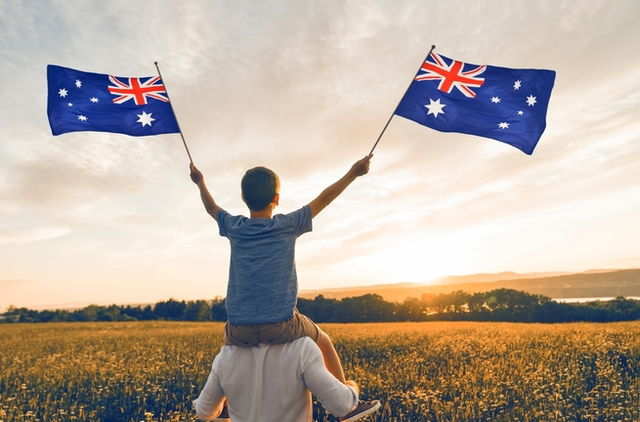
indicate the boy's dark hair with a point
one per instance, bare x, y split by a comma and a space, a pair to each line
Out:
259, 187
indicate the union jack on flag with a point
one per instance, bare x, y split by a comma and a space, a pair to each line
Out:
136, 90
84, 101
508, 105
451, 75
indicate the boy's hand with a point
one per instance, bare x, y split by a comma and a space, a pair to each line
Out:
196, 175
361, 167
207, 200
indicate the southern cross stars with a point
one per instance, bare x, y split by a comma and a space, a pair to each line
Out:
78, 83
435, 107
145, 118
531, 100
94, 100
62, 92
82, 118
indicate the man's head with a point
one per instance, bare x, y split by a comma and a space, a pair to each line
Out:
260, 188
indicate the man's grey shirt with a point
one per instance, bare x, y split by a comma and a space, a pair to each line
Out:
263, 285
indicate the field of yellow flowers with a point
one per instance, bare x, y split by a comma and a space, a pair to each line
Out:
435, 371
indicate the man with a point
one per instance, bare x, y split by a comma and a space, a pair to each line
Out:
273, 383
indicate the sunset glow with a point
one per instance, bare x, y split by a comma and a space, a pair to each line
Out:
304, 88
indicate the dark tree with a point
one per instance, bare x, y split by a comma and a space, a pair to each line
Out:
171, 310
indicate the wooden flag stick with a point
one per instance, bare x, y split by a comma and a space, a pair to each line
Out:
174, 113
394, 110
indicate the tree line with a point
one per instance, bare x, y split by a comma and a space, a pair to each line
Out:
495, 305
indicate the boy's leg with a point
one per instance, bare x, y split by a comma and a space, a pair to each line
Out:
331, 359
300, 326
241, 335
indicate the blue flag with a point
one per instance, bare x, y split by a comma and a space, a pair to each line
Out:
83, 101
509, 105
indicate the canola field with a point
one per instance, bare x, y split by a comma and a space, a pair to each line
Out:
435, 371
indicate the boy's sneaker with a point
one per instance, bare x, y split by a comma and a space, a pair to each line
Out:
363, 409
224, 415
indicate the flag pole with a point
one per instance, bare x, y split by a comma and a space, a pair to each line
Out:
405, 93
174, 113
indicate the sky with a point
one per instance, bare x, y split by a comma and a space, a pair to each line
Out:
304, 88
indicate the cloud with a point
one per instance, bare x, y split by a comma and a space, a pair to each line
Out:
12, 237
305, 88
628, 262
9, 283
57, 182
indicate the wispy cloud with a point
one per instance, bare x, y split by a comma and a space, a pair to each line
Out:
305, 88
11, 237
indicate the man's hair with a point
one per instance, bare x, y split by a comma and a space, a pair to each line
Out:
259, 187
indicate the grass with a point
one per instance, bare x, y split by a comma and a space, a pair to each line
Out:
437, 371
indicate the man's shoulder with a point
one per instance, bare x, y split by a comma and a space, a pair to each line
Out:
304, 343
303, 346
300, 352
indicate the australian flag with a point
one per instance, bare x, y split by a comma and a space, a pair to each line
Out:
509, 105
83, 101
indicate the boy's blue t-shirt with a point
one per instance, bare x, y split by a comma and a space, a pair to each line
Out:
263, 286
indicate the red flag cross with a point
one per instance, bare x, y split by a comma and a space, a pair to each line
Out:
137, 91
452, 75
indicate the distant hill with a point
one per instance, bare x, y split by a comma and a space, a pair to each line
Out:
505, 275
594, 283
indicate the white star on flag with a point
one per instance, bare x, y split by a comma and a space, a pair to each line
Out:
435, 107
481, 100
82, 101
145, 118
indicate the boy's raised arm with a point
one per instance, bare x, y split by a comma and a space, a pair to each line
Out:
359, 168
209, 204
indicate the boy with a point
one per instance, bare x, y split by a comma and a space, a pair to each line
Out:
263, 287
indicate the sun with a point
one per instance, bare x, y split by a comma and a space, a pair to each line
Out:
420, 258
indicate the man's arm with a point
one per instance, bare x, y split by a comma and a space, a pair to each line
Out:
209, 204
210, 402
338, 398
360, 168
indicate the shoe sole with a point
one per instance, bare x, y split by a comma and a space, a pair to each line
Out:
363, 414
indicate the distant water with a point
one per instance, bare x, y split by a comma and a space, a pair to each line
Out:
590, 299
